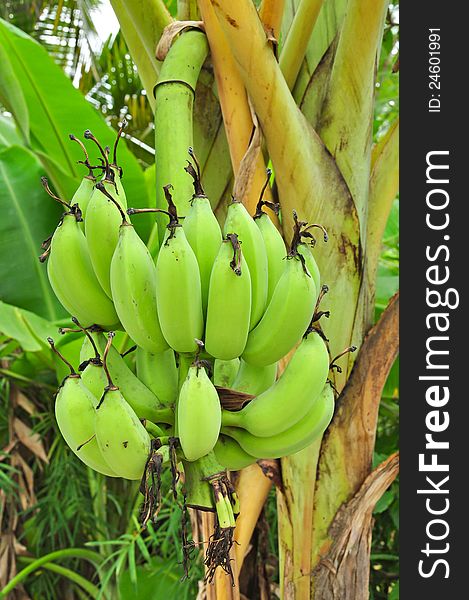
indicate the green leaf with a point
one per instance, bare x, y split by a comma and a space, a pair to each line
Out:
158, 581
384, 502
29, 330
57, 109
11, 93
9, 135
394, 593
28, 217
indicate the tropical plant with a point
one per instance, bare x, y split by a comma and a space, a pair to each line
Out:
324, 116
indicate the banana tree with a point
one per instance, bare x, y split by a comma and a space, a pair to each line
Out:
292, 85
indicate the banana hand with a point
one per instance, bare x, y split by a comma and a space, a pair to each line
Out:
198, 414
286, 318
178, 292
225, 371
254, 380
159, 373
291, 397
72, 277
122, 439
230, 454
74, 412
229, 302
133, 287
239, 221
294, 439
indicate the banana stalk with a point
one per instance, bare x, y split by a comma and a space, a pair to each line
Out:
252, 487
327, 25
384, 184
271, 13
347, 115
294, 48
187, 10
234, 104
307, 176
295, 518
174, 95
141, 33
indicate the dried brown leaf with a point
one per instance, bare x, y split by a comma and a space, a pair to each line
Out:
25, 403
30, 440
170, 32
232, 399
344, 571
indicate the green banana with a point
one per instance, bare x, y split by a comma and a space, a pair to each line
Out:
254, 380
295, 438
72, 277
159, 373
202, 232
311, 264
225, 371
83, 194
291, 397
198, 414
74, 412
239, 221
103, 219
274, 245
122, 439
139, 397
94, 378
178, 292
229, 302
286, 318
133, 287
305, 243
85, 189
230, 454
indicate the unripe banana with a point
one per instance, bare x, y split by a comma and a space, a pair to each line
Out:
239, 221
85, 189
225, 371
102, 223
178, 292
139, 397
116, 171
133, 286
229, 302
83, 194
286, 318
230, 454
74, 412
73, 279
203, 233
159, 373
94, 378
291, 397
294, 439
311, 264
122, 439
275, 248
198, 414
254, 380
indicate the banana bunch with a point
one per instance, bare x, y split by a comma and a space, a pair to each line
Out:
210, 311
